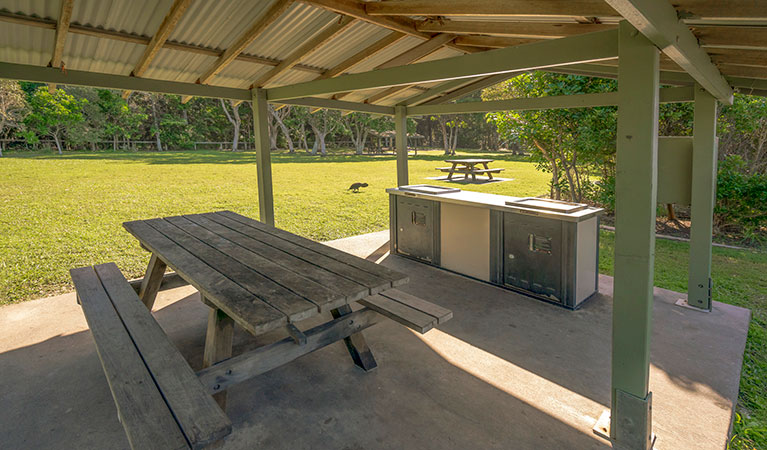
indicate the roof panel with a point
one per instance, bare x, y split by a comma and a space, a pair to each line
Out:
178, 66
386, 54
39, 8
135, 16
217, 24
26, 45
356, 38
297, 25
101, 55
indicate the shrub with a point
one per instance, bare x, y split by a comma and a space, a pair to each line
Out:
741, 199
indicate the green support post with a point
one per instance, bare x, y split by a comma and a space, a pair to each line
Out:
704, 153
400, 143
635, 202
263, 156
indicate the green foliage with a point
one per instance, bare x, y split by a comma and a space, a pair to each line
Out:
571, 144
120, 121
51, 114
741, 198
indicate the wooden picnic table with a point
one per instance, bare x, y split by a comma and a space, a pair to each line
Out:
468, 167
264, 278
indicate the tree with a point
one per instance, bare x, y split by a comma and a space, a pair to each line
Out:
119, 120
13, 106
569, 143
323, 122
449, 125
279, 116
234, 119
359, 125
53, 113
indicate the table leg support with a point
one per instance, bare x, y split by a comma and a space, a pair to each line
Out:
358, 348
218, 344
150, 285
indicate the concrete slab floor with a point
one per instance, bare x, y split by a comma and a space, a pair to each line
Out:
508, 372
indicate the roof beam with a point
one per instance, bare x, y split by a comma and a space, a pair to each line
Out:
744, 38
518, 30
500, 8
305, 50
245, 40
320, 103
570, 50
667, 95
414, 54
435, 92
418, 52
356, 9
158, 40
39, 74
659, 23
492, 41
362, 55
62, 28
468, 89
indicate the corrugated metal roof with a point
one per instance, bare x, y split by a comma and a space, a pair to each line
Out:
297, 25
26, 45
215, 25
356, 38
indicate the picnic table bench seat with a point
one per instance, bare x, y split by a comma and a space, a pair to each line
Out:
411, 311
160, 401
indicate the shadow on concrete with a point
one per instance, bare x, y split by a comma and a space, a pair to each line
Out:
507, 371
55, 396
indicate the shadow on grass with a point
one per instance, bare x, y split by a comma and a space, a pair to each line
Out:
240, 157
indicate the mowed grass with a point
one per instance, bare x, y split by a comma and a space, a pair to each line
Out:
59, 212
738, 279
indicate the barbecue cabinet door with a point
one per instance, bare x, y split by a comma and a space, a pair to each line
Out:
533, 255
415, 228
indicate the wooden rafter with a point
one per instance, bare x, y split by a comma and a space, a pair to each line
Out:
306, 49
362, 55
492, 41
160, 37
753, 38
435, 92
245, 39
62, 28
419, 51
658, 21
519, 30
503, 8
468, 89
414, 54
356, 9
739, 57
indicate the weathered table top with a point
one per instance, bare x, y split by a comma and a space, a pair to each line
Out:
469, 161
259, 275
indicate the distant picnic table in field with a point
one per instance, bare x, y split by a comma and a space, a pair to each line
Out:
468, 167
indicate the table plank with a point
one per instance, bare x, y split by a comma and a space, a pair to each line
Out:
374, 283
256, 317
352, 290
319, 295
356, 262
295, 307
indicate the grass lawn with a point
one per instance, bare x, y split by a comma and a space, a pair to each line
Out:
60, 212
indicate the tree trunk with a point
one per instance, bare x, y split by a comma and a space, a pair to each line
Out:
554, 172
156, 122
58, 142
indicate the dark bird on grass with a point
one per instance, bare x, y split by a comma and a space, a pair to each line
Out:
356, 187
